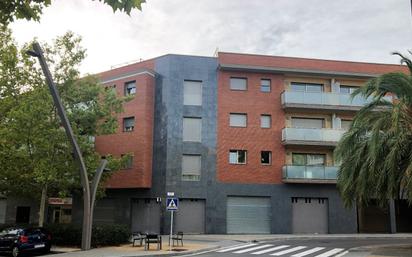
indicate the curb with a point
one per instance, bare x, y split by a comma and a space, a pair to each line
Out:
179, 253
371, 247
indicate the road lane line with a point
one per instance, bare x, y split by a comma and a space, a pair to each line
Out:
330, 253
253, 248
271, 249
342, 254
289, 250
235, 248
313, 250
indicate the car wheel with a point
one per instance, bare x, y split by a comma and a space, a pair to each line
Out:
15, 251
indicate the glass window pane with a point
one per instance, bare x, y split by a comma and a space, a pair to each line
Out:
128, 124
315, 88
298, 87
298, 159
307, 123
232, 156
191, 165
238, 120
192, 129
238, 83
130, 88
241, 156
345, 124
347, 89
192, 93
265, 85
266, 157
265, 121
315, 159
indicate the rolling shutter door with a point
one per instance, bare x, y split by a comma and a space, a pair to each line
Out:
309, 215
190, 217
248, 215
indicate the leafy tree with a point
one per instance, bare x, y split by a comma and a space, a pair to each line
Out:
376, 153
35, 155
31, 10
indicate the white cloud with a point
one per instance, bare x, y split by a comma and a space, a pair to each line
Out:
339, 29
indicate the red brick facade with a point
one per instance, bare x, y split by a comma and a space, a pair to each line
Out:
138, 142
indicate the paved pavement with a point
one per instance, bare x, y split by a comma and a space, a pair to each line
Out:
359, 245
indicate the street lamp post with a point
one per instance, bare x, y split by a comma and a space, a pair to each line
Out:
89, 194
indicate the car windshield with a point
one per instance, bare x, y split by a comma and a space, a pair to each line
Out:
9, 231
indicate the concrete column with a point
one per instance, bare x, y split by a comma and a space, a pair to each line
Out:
392, 215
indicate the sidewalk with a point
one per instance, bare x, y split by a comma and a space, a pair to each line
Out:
382, 251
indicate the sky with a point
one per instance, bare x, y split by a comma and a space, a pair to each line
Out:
354, 30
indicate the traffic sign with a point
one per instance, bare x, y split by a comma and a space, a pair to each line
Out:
172, 204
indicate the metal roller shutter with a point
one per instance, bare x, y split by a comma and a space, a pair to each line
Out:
190, 217
309, 215
146, 216
248, 215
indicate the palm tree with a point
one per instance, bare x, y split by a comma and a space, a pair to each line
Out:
376, 152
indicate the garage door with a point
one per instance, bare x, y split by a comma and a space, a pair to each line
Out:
248, 215
190, 218
309, 215
146, 216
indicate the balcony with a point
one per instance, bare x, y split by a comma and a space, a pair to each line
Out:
310, 174
326, 101
308, 136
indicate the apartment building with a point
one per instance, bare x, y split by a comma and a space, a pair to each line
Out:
244, 141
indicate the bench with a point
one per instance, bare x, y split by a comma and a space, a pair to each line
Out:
177, 237
138, 236
152, 239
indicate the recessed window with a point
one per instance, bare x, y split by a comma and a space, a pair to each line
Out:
266, 157
347, 89
265, 85
128, 124
130, 88
237, 156
238, 119
192, 129
306, 159
192, 92
238, 83
345, 124
306, 87
191, 167
308, 123
265, 121
128, 163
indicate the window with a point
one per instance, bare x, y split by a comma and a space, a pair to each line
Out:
238, 119
238, 83
265, 121
306, 87
192, 93
265, 85
266, 157
128, 162
192, 129
347, 89
303, 159
130, 88
128, 124
191, 167
345, 124
307, 123
237, 156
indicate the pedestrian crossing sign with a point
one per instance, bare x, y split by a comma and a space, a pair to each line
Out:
172, 204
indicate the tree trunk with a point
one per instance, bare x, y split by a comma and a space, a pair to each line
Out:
42, 206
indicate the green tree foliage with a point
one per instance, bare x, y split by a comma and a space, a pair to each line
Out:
376, 153
35, 154
32, 9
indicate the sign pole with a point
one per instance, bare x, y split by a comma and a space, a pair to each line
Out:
171, 230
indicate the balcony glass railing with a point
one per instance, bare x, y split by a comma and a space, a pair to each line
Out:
316, 135
333, 99
310, 172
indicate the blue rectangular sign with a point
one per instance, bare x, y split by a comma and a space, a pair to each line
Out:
172, 204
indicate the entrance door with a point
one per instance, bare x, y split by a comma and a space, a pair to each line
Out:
146, 216
190, 217
248, 215
23, 215
309, 215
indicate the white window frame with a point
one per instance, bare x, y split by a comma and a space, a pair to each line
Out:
188, 99
270, 158
237, 78
129, 128
126, 90
232, 123
262, 117
191, 175
265, 86
186, 137
234, 157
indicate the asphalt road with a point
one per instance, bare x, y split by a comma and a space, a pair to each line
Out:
300, 248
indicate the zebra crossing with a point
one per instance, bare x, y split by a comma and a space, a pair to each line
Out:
284, 250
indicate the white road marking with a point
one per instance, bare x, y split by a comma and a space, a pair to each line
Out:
330, 253
253, 248
289, 250
342, 254
235, 248
271, 249
313, 250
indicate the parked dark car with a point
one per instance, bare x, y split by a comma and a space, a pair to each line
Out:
24, 240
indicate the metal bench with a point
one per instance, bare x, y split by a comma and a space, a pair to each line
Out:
138, 236
177, 237
152, 239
